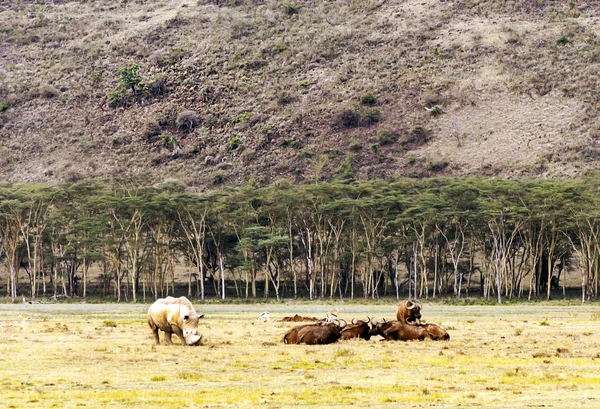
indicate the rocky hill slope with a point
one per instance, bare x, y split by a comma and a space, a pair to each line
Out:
220, 92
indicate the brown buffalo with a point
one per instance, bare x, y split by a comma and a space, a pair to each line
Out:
408, 312
320, 332
399, 331
359, 329
174, 316
291, 337
436, 332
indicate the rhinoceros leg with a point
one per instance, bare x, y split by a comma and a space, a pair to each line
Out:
156, 339
168, 338
179, 333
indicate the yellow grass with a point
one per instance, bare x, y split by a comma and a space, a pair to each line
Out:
101, 355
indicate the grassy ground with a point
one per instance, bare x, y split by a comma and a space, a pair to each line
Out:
101, 355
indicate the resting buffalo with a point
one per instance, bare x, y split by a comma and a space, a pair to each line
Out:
408, 312
291, 337
399, 331
320, 334
174, 316
359, 329
436, 332
311, 334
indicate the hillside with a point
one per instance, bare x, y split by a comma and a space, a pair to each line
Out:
233, 90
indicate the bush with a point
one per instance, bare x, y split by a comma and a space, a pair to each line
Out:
168, 141
349, 118
419, 135
385, 137
371, 116
118, 98
245, 116
368, 99
130, 77
234, 143
436, 110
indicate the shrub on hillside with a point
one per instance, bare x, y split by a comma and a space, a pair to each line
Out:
368, 99
386, 137
348, 118
118, 98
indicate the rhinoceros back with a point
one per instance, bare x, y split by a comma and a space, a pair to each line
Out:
168, 311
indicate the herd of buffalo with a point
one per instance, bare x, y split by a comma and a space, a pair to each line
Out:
177, 316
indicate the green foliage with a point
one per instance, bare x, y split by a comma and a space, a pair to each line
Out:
168, 141
280, 47
234, 143
118, 98
130, 77
305, 83
346, 170
3, 106
368, 99
243, 117
436, 110
370, 218
562, 40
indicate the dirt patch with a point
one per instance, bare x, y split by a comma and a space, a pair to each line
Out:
506, 133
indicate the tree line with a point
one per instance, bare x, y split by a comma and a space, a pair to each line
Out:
457, 237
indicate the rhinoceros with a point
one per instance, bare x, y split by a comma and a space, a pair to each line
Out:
174, 316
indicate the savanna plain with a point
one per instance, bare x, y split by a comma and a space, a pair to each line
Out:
102, 355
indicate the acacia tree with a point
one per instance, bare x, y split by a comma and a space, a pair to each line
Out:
192, 213
12, 214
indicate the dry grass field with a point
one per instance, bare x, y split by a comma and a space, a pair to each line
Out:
101, 355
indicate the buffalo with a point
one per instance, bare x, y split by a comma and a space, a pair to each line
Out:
399, 331
321, 332
408, 312
436, 332
360, 329
174, 316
